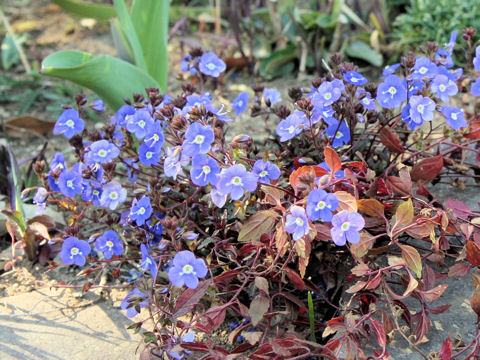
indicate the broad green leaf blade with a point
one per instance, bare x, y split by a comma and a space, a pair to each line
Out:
10, 54
124, 50
129, 31
358, 49
110, 78
150, 21
87, 10
279, 63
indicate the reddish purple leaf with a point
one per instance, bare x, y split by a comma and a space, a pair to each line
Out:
459, 208
446, 350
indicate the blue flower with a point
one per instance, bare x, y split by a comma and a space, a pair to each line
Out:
341, 133
74, 251
475, 89
455, 117
149, 155
103, 151
235, 180
188, 337
112, 195
211, 65
40, 198
188, 64
141, 210
271, 96
390, 69
198, 139
443, 87
367, 102
355, 78
297, 222
444, 57
198, 100
423, 68
421, 109
217, 197
346, 226
92, 191
173, 164
147, 262
340, 174
321, 112
327, 94
123, 115
70, 183
204, 170
69, 124
406, 118
391, 92
476, 59
134, 299
98, 105
266, 171
154, 137
320, 205
57, 163
186, 269
140, 123
240, 103
414, 86
109, 244
293, 125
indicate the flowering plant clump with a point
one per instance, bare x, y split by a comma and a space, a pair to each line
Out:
212, 229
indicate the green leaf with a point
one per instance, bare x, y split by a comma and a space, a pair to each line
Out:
87, 10
311, 317
110, 78
150, 21
360, 50
10, 54
130, 33
279, 63
120, 41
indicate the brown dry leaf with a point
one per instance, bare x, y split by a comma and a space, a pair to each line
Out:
361, 248
17, 126
346, 201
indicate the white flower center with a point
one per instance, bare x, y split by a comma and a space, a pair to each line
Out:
420, 108
206, 169
339, 135
442, 88
149, 154
321, 205
109, 244
95, 192
187, 269
211, 66
423, 70
199, 139
237, 181
345, 226
141, 123
391, 90
74, 251
454, 116
141, 211
240, 103
70, 123
70, 184
263, 173
299, 221
366, 101
327, 96
102, 153
113, 195
291, 129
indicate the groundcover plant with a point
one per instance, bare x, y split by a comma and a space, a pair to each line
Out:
302, 246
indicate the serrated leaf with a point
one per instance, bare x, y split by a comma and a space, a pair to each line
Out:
258, 224
412, 259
